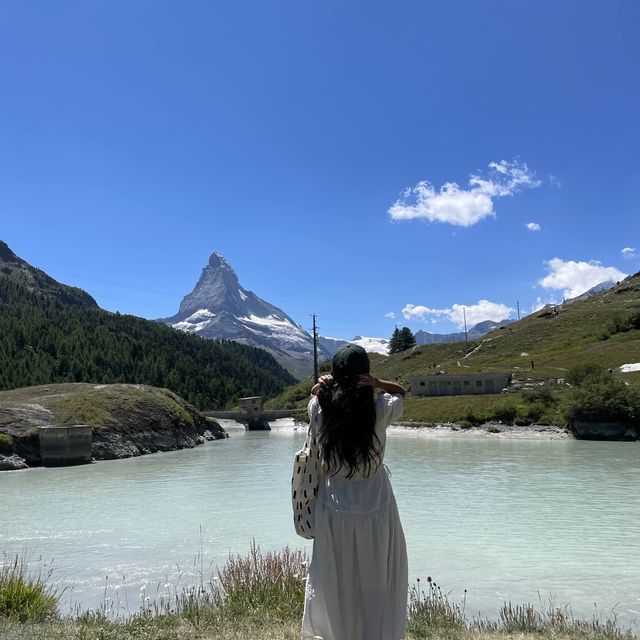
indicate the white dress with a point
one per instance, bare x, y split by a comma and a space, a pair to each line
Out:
357, 584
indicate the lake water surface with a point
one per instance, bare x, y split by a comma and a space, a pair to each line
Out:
521, 520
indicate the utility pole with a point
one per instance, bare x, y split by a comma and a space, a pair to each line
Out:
315, 349
464, 314
518, 305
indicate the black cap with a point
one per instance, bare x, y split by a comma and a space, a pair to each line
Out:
350, 361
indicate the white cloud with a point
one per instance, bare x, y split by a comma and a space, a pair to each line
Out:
540, 303
391, 315
482, 310
463, 207
575, 278
532, 226
629, 253
555, 182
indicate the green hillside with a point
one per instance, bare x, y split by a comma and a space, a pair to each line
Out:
580, 332
44, 340
602, 330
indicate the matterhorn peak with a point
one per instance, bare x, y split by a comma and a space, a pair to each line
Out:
217, 261
220, 308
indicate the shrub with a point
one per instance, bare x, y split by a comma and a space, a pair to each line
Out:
620, 324
505, 412
603, 401
532, 411
6, 443
468, 414
25, 597
616, 324
633, 320
465, 424
541, 395
586, 373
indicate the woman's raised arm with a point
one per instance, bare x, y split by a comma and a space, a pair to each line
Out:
387, 386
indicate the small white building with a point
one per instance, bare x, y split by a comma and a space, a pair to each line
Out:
460, 384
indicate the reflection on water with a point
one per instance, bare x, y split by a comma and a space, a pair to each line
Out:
505, 519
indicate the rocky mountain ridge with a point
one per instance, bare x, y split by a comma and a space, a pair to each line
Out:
477, 331
20, 271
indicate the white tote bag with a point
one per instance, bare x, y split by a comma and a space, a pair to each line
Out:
304, 485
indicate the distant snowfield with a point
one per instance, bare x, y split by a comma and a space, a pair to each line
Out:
372, 345
628, 368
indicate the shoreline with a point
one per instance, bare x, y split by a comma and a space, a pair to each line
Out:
497, 430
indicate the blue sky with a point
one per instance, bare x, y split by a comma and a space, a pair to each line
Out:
350, 159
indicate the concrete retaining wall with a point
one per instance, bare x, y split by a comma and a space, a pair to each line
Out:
70, 444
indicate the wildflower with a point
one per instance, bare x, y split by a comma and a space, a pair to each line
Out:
429, 579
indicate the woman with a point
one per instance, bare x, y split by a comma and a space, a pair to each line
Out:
357, 584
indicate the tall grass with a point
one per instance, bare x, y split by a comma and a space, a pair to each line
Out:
268, 585
260, 596
25, 597
431, 611
433, 615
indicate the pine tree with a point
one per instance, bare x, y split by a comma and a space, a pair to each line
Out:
394, 342
407, 339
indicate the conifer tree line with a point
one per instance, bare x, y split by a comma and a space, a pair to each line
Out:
44, 341
401, 340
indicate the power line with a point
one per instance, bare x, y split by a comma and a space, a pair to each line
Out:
117, 284
315, 348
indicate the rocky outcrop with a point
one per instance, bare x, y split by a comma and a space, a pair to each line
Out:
127, 420
614, 431
12, 463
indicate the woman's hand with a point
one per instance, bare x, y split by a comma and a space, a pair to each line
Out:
367, 380
324, 382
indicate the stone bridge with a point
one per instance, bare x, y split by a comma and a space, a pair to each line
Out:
252, 415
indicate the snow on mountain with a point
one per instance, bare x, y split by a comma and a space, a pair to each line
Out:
371, 345
594, 291
219, 308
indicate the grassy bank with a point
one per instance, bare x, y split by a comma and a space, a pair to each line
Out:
545, 404
260, 597
126, 419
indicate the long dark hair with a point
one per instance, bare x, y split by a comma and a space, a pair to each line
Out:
347, 435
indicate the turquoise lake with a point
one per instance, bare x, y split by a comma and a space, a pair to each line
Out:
532, 519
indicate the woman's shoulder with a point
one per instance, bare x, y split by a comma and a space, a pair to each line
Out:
389, 406
313, 408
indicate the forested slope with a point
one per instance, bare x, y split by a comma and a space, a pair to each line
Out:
44, 340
